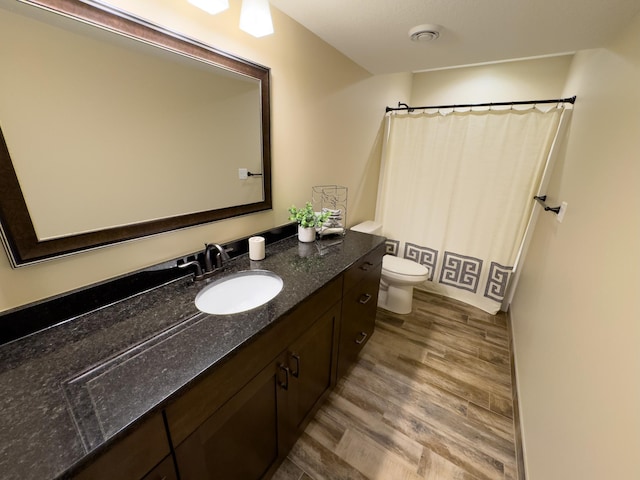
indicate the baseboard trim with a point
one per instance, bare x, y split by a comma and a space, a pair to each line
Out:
516, 404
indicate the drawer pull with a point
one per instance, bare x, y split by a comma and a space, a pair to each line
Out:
363, 336
366, 266
364, 298
296, 372
285, 384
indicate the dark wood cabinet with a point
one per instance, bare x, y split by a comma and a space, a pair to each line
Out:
359, 302
240, 419
247, 433
253, 431
196, 405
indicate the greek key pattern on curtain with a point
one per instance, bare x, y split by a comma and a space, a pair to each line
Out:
423, 255
458, 271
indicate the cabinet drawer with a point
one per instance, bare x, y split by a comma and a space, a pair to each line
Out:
365, 267
358, 318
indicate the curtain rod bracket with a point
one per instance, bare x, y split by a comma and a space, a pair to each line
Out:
404, 105
401, 106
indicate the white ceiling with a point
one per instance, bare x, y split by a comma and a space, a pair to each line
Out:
374, 33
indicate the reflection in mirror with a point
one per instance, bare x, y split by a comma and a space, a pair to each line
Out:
107, 138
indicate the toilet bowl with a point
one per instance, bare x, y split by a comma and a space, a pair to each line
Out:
399, 276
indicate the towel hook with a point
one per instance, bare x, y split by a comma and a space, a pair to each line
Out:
542, 199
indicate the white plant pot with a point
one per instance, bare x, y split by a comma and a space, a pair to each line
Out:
306, 234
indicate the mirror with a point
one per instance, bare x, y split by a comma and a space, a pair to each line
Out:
113, 129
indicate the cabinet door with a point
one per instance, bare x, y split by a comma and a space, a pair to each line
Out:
310, 360
240, 440
358, 317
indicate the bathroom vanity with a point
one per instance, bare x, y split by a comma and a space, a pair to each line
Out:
148, 385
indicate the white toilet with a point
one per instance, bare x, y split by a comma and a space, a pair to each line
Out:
399, 276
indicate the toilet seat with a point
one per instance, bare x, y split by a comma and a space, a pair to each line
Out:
402, 266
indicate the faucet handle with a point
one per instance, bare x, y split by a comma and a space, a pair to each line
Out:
194, 263
224, 253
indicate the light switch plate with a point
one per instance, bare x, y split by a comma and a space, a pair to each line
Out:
243, 173
563, 209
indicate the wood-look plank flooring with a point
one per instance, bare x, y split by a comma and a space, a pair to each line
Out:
429, 398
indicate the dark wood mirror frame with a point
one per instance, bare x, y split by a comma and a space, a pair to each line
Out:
18, 233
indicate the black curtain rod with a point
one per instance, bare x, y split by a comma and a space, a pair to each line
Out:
404, 106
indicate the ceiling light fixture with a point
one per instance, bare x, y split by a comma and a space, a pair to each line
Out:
211, 6
255, 18
424, 33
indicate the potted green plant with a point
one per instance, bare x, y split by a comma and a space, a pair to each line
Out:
308, 220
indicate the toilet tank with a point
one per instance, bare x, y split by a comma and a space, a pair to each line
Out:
369, 226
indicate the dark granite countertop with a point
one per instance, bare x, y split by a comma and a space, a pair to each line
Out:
67, 391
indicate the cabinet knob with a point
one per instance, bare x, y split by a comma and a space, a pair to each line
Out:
296, 372
364, 298
363, 337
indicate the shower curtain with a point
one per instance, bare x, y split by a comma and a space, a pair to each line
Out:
456, 193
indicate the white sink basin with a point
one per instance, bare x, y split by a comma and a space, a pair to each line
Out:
239, 292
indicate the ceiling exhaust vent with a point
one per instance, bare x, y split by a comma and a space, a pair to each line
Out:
424, 33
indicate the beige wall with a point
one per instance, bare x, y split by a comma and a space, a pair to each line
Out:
326, 117
576, 315
536, 79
